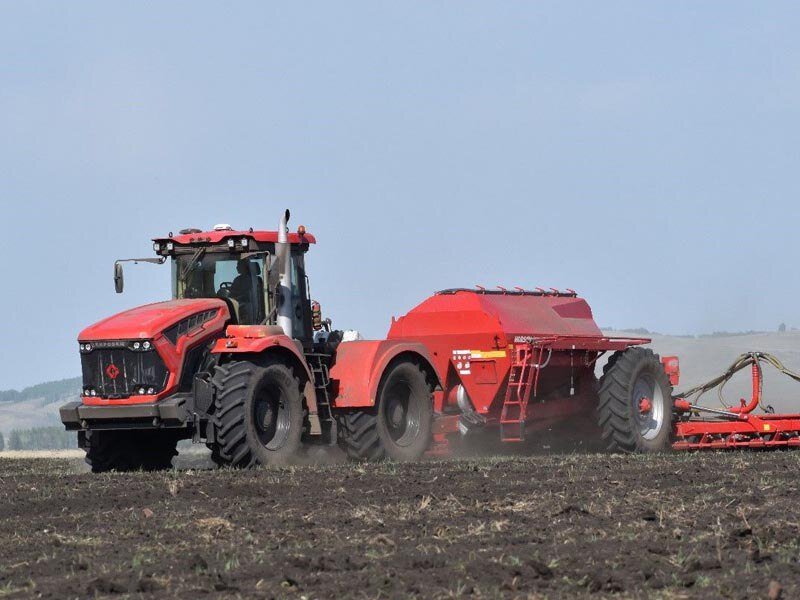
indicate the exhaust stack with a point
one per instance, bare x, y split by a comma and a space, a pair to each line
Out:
284, 290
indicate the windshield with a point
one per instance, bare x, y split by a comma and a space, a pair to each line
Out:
224, 275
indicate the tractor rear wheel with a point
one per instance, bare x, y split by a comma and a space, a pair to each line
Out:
128, 450
258, 414
635, 403
399, 428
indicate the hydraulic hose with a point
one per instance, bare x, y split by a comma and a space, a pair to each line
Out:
753, 359
756, 397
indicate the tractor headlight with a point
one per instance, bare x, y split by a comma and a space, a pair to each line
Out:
156, 246
141, 345
245, 242
231, 243
170, 246
88, 347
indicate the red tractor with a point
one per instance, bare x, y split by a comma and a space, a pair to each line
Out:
242, 360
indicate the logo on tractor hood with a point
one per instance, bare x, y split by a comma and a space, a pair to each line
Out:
112, 371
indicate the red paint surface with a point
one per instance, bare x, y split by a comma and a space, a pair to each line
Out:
750, 431
145, 322
216, 237
672, 367
360, 365
259, 339
470, 321
467, 312
756, 397
149, 322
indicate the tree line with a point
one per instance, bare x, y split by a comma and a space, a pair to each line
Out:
38, 438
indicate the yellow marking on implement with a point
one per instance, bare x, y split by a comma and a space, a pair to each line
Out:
488, 354
766, 426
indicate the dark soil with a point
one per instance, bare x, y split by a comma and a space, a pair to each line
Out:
555, 526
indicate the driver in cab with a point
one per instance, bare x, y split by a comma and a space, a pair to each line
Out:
247, 284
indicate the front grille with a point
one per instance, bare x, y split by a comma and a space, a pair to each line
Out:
120, 372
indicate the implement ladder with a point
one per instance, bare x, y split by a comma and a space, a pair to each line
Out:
523, 378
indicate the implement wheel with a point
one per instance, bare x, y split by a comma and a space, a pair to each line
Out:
635, 403
128, 450
258, 415
399, 428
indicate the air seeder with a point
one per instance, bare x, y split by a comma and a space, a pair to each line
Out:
241, 359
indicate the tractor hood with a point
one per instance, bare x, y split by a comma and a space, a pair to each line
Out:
149, 320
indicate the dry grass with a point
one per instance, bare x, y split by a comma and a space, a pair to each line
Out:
28, 454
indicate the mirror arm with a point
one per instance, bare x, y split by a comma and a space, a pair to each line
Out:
155, 261
119, 281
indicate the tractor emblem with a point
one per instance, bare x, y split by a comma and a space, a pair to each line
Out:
112, 371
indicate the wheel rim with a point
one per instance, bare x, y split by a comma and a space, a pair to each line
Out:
401, 413
271, 416
648, 405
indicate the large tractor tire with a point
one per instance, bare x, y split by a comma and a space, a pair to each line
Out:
635, 403
128, 450
258, 414
399, 427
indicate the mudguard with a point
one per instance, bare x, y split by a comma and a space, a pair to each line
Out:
360, 365
257, 339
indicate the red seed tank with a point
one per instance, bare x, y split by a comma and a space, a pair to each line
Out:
510, 357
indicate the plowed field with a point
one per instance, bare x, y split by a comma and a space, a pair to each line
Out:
550, 526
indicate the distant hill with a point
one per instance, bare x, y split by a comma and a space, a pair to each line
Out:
36, 406
51, 390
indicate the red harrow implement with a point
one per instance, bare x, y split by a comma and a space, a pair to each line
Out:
735, 426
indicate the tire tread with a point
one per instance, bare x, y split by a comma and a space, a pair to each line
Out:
614, 409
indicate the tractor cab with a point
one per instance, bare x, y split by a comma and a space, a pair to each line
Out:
242, 268
260, 277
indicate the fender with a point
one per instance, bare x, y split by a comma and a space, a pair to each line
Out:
360, 365
270, 339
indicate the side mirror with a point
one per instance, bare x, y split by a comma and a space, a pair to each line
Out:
119, 277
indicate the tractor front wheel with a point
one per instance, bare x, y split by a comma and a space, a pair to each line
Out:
635, 403
258, 414
399, 428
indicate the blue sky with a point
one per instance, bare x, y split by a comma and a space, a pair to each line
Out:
645, 154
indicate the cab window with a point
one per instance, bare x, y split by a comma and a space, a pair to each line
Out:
217, 275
